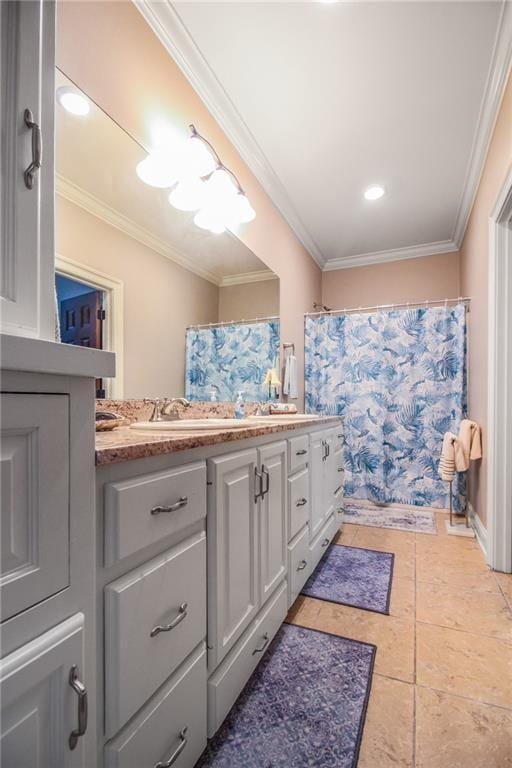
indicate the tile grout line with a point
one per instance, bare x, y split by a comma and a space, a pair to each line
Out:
464, 698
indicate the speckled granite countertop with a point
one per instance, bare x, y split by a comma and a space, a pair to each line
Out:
125, 444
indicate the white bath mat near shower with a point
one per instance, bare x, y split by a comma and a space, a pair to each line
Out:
401, 519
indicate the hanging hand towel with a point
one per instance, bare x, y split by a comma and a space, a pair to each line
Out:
447, 461
290, 377
470, 443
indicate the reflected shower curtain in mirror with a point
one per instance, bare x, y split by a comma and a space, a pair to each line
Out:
229, 359
398, 378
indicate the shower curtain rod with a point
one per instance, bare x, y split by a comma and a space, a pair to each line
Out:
406, 305
233, 322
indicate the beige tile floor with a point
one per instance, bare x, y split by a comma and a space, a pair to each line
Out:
442, 688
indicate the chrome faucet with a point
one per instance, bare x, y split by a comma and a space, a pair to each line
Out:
168, 410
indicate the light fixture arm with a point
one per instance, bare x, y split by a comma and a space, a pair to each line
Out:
220, 164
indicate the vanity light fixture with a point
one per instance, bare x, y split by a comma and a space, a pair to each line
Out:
374, 193
200, 182
73, 101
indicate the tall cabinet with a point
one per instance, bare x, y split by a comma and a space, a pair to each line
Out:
27, 31
47, 623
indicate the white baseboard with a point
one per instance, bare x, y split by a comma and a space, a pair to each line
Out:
480, 530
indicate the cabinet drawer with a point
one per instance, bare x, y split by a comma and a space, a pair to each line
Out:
298, 502
168, 592
148, 508
298, 452
299, 565
225, 685
34, 483
319, 545
155, 735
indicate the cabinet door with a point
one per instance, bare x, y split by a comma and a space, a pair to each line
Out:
233, 573
273, 539
34, 464
317, 500
27, 31
39, 706
329, 474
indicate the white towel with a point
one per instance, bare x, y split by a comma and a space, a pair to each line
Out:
290, 377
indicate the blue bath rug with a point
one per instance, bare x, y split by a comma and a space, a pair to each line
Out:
352, 576
304, 706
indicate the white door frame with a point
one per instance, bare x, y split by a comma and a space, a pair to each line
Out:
499, 439
113, 330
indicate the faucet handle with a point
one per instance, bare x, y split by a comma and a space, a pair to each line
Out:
156, 415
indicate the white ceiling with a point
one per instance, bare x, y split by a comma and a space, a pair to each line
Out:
95, 164
325, 99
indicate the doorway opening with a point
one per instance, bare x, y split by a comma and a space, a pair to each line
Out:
81, 313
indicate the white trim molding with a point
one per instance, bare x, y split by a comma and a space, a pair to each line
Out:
395, 254
499, 71
114, 314
260, 276
479, 529
499, 417
167, 25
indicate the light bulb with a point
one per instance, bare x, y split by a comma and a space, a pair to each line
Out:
374, 193
196, 160
73, 101
221, 188
211, 219
188, 195
241, 211
157, 170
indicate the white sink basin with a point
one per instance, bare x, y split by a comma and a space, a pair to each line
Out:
286, 417
181, 425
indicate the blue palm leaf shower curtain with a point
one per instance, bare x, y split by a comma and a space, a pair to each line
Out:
230, 359
398, 378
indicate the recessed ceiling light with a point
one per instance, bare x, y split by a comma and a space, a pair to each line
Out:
73, 101
373, 193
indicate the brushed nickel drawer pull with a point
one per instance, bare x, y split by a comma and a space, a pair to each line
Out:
266, 641
182, 613
338, 489
81, 692
161, 508
325, 543
177, 752
302, 452
302, 565
301, 502
341, 469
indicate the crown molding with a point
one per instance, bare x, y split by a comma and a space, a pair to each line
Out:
167, 25
259, 276
395, 254
499, 71
75, 194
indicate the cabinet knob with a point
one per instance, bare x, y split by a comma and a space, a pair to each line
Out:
325, 543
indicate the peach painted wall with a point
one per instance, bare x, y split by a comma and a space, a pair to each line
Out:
160, 299
430, 277
474, 283
110, 52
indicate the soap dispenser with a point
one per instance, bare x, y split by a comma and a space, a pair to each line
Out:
240, 406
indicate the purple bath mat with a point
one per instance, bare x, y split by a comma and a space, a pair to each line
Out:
304, 705
352, 576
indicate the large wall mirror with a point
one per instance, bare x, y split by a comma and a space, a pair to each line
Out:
188, 312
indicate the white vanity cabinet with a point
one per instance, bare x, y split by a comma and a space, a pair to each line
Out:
273, 537
326, 490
